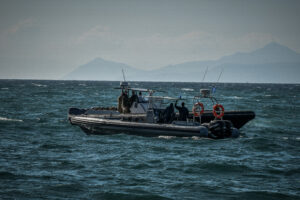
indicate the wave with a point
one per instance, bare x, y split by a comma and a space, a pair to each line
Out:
39, 85
6, 175
172, 137
291, 138
134, 194
8, 119
166, 137
200, 138
235, 97
187, 89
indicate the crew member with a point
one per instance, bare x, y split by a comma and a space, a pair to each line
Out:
169, 113
120, 102
141, 99
183, 111
133, 98
125, 103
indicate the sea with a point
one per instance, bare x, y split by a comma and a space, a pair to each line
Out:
42, 156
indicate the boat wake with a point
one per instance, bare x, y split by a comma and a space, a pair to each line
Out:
166, 137
173, 137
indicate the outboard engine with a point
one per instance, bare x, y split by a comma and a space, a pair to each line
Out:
220, 129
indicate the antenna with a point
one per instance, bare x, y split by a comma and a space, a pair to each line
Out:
123, 75
205, 74
220, 75
214, 86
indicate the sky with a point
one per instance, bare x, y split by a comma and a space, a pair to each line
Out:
42, 39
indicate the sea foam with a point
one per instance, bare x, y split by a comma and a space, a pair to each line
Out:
8, 119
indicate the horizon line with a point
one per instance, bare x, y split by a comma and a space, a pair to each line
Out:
30, 79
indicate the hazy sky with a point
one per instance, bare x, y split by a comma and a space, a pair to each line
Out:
46, 39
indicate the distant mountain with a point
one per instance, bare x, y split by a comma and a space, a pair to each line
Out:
274, 63
257, 73
189, 71
99, 69
271, 53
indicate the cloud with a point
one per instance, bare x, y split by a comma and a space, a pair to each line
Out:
6, 35
24, 23
95, 33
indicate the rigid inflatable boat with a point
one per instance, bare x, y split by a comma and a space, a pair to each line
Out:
147, 118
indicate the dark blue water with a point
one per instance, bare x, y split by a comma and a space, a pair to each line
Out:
43, 156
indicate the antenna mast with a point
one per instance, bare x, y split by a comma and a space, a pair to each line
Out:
220, 75
205, 74
123, 75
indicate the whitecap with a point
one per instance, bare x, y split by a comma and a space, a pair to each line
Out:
12, 120
166, 137
187, 89
82, 84
285, 138
196, 138
297, 138
5, 88
268, 95
236, 97
39, 85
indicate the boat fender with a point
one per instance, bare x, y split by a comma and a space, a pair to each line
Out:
203, 131
235, 133
196, 105
215, 108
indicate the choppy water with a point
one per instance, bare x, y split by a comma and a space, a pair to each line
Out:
43, 156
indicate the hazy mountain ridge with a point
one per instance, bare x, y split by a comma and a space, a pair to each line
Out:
273, 63
271, 53
100, 69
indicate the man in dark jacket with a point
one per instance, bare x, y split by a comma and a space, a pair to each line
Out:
125, 103
133, 98
120, 102
168, 113
183, 111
